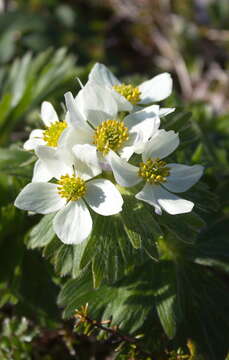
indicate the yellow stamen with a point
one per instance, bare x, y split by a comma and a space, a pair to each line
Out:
71, 187
154, 171
131, 93
110, 135
52, 133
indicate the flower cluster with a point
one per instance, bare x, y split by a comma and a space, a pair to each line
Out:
110, 136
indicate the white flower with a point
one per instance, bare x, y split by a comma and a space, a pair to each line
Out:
53, 129
93, 119
61, 133
48, 137
161, 179
156, 89
71, 195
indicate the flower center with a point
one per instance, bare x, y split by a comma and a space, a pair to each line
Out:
131, 93
71, 187
154, 171
110, 135
52, 133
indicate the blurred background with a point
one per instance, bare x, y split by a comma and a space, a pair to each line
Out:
188, 38
44, 46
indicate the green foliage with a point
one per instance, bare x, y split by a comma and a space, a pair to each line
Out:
28, 82
162, 276
24, 85
148, 269
16, 338
165, 291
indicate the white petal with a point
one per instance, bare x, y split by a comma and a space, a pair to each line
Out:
36, 133
67, 118
87, 163
103, 197
145, 123
56, 160
161, 145
32, 143
171, 203
48, 113
66, 159
103, 162
156, 89
42, 198
35, 138
166, 111
96, 104
125, 174
122, 102
147, 195
102, 75
40, 172
127, 151
73, 224
143, 119
76, 117
71, 136
182, 177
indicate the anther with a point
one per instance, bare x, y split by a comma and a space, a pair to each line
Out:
154, 171
110, 135
131, 93
71, 187
52, 133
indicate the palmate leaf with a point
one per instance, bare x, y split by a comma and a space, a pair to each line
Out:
166, 298
116, 243
184, 227
130, 301
59, 254
140, 225
191, 303
109, 301
42, 233
109, 249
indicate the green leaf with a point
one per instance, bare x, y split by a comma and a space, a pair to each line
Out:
4, 107
184, 227
60, 255
64, 259
204, 199
212, 247
42, 233
140, 226
12, 249
125, 302
30, 81
110, 250
97, 270
78, 252
14, 161
36, 290
19, 83
166, 298
204, 300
